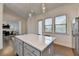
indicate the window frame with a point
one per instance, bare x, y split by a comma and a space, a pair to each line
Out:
60, 24
48, 25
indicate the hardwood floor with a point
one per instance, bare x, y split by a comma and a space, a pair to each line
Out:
64, 51
8, 50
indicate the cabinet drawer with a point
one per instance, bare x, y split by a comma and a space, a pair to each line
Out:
28, 53
18, 41
20, 51
31, 49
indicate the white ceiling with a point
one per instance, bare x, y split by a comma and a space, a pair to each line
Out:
23, 9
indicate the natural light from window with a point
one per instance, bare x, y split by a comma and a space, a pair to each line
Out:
48, 25
60, 24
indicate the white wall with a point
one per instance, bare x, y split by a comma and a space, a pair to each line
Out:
63, 39
1, 18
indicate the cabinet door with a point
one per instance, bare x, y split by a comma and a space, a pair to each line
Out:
16, 43
18, 47
49, 51
20, 50
27, 52
32, 49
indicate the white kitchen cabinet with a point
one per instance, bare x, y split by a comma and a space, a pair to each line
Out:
34, 45
19, 47
23, 49
28, 52
31, 50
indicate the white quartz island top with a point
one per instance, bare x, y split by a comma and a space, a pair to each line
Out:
38, 41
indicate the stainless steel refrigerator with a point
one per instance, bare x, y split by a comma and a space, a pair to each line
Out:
75, 35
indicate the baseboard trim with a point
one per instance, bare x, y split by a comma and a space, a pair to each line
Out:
63, 45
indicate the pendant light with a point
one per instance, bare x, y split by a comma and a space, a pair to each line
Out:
43, 8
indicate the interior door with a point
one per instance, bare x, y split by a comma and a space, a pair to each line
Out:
40, 27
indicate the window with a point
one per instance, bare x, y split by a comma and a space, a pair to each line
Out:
60, 24
48, 25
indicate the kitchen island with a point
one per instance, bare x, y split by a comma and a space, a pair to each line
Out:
34, 45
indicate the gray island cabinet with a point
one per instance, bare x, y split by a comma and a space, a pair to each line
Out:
34, 45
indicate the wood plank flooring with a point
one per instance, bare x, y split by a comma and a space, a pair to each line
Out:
64, 51
9, 50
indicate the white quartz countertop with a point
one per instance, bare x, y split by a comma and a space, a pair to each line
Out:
38, 41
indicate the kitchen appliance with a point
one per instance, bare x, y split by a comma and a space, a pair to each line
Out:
75, 35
